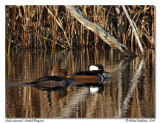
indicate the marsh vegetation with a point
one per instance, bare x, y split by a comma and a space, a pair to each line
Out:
35, 27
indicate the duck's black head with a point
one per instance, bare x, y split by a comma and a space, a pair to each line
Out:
98, 68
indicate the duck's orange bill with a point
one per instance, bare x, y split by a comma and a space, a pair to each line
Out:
68, 77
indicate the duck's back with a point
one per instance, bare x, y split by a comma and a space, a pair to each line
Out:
50, 82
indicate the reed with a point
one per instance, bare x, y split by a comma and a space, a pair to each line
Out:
34, 27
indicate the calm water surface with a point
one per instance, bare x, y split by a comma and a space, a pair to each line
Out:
129, 93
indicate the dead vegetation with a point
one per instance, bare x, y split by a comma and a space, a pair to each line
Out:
36, 28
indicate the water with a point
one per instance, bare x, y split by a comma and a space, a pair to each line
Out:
129, 93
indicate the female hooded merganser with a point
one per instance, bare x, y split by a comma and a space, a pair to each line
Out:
56, 81
93, 76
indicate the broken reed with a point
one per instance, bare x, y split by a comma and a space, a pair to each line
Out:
33, 26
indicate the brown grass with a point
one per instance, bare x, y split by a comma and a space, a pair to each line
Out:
35, 28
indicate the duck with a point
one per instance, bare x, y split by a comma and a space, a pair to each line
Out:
93, 76
56, 81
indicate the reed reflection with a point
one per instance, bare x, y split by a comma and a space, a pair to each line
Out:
130, 91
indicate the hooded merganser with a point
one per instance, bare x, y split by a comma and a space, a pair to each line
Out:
56, 81
47, 82
93, 76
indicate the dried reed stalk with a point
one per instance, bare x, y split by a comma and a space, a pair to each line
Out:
105, 36
60, 25
134, 30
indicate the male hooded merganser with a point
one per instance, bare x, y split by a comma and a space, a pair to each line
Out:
93, 76
56, 81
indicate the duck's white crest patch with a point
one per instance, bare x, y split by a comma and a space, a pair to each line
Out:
93, 67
